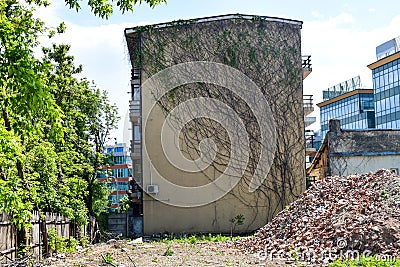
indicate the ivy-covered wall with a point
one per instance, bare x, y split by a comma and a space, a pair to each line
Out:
268, 51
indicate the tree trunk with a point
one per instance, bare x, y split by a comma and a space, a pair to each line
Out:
6, 118
21, 241
45, 239
89, 199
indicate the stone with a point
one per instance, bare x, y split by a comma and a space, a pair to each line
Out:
336, 214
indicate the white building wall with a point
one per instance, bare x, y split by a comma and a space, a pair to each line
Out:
362, 164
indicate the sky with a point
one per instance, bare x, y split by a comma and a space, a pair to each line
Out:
341, 36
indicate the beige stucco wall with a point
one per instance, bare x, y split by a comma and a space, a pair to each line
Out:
286, 179
363, 164
215, 217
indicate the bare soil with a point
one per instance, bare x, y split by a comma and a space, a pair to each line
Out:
126, 254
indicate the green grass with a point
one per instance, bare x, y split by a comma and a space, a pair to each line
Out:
373, 261
193, 239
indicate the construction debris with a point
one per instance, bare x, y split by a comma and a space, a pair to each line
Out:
346, 217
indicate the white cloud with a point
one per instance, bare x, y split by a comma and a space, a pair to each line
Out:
317, 14
339, 53
102, 52
49, 13
344, 18
371, 10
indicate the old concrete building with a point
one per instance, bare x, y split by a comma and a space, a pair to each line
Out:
268, 52
346, 152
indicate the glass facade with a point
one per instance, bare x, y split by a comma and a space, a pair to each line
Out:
114, 199
118, 173
120, 160
354, 112
121, 186
387, 95
111, 150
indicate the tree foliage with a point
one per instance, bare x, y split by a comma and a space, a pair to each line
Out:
104, 8
53, 126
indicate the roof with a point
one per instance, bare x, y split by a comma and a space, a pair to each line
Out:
365, 143
317, 156
214, 18
355, 143
384, 61
345, 95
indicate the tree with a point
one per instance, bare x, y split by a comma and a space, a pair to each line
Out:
105, 8
90, 118
52, 126
28, 109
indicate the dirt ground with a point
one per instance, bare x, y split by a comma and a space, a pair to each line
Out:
122, 253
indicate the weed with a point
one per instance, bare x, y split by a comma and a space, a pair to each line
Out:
59, 243
238, 220
84, 240
193, 240
215, 238
371, 261
168, 252
196, 238
107, 257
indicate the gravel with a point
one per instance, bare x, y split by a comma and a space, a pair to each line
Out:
125, 254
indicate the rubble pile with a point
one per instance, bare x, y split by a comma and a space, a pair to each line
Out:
358, 213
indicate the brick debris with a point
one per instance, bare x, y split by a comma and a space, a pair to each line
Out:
336, 217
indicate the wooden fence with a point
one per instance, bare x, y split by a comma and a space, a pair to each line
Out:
37, 239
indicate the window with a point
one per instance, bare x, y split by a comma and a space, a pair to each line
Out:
119, 159
114, 199
138, 168
118, 173
123, 185
136, 132
136, 92
111, 150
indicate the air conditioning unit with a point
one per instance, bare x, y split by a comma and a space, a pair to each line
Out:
152, 189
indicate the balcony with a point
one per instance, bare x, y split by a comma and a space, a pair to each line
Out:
308, 104
306, 65
135, 73
310, 148
309, 120
134, 110
135, 82
136, 152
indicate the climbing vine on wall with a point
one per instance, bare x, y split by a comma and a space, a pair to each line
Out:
268, 52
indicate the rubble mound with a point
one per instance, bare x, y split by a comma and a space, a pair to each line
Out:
358, 214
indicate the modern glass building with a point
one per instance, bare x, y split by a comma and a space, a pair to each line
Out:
385, 76
354, 107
